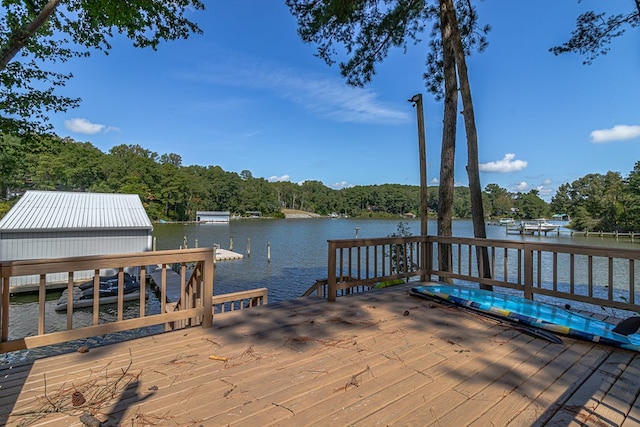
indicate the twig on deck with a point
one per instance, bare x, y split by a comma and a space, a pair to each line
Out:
281, 406
354, 381
91, 396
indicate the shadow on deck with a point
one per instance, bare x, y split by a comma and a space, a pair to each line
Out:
379, 358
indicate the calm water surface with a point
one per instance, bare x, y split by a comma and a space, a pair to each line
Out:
299, 247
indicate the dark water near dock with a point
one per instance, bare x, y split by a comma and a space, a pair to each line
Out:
298, 257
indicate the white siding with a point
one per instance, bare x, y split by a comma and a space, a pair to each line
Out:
35, 245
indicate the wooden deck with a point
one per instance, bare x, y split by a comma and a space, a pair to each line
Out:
381, 358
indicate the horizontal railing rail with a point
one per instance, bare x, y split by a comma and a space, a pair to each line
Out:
589, 274
195, 307
240, 300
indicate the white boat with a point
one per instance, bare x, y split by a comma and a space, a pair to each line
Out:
506, 221
537, 225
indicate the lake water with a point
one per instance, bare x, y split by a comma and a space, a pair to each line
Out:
298, 249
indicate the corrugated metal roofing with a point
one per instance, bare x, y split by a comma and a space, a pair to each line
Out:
55, 210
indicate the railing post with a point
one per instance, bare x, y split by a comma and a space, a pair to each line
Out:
332, 292
207, 291
528, 272
4, 311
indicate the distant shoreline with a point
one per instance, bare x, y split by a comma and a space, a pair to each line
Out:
298, 214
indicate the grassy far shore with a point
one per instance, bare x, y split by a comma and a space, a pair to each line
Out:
295, 213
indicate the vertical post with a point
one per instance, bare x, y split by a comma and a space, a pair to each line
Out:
42, 297
528, 273
332, 292
207, 291
248, 247
268, 252
416, 100
70, 301
4, 312
230, 243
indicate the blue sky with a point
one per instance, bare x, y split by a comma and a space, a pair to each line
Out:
250, 95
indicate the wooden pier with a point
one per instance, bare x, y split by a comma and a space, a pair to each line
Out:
377, 358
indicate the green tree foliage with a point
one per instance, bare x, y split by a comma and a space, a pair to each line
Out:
34, 33
601, 202
172, 191
594, 32
530, 205
499, 201
400, 259
630, 200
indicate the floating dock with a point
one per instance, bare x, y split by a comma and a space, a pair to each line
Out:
227, 255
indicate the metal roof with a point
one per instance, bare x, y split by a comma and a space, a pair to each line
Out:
55, 210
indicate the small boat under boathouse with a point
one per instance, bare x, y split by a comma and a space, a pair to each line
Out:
54, 224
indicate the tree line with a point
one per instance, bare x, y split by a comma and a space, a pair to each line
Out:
174, 192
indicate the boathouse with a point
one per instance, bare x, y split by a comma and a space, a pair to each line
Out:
52, 224
212, 216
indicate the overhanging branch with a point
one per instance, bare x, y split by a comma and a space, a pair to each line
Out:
21, 36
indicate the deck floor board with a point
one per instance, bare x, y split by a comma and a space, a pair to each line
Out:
380, 358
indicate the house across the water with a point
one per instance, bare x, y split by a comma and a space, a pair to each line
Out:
212, 216
54, 224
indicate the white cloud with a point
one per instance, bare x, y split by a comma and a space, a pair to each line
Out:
283, 178
544, 191
506, 165
616, 133
328, 98
79, 125
521, 187
434, 181
340, 185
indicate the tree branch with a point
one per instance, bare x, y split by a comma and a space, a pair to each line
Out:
20, 38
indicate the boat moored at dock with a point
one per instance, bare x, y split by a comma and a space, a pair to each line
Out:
540, 225
83, 294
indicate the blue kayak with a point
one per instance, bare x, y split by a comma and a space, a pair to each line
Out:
531, 313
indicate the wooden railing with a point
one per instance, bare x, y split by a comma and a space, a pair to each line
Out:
240, 300
592, 275
356, 265
195, 306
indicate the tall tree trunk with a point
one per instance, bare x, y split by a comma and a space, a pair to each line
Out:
447, 156
477, 210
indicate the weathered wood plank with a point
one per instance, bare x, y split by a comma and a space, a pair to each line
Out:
381, 358
533, 375
582, 404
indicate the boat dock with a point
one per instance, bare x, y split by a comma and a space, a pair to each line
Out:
375, 358
227, 255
